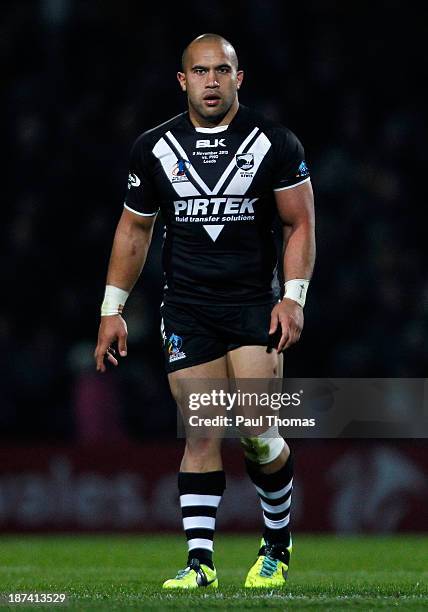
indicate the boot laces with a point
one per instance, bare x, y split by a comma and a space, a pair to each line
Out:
196, 567
182, 573
269, 564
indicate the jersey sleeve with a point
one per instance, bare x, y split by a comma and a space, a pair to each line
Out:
290, 167
141, 195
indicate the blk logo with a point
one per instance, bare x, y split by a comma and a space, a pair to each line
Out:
208, 144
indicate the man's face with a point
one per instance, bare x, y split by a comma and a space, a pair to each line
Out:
211, 80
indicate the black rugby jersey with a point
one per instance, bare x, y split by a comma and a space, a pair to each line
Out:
214, 187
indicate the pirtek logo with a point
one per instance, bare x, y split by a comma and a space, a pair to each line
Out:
214, 206
207, 144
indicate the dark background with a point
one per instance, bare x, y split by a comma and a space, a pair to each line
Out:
83, 78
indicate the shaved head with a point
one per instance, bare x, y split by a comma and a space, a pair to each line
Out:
206, 38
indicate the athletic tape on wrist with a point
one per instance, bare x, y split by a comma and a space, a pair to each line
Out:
114, 301
296, 290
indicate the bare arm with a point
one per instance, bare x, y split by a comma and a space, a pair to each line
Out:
130, 246
296, 211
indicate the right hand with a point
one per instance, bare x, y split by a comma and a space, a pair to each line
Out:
112, 328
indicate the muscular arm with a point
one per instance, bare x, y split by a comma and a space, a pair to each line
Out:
296, 211
130, 246
131, 243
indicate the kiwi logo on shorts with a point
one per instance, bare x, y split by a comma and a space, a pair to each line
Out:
174, 348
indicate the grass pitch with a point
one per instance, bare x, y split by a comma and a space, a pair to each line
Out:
126, 572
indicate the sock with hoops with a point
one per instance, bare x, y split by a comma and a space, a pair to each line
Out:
274, 491
200, 496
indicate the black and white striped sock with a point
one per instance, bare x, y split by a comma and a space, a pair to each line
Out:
200, 496
275, 498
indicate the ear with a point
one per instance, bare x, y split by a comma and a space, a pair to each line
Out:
181, 77
239, 78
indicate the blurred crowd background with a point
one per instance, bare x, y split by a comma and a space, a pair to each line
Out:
83, 78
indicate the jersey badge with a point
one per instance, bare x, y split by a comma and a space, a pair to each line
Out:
179, 171
302, 170
245, 161
174, 348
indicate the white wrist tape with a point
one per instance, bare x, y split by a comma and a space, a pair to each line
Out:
114, 301
296, 289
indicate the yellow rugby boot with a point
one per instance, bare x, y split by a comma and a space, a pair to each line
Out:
271, 567
194, 576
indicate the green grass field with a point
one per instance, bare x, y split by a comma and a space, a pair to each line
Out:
125, 573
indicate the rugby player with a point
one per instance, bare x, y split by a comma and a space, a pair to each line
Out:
220, 173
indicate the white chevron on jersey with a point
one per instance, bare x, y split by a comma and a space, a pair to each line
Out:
226, 173
168, 159
191, 169
237, 186
240, 184
232, 164
213, 231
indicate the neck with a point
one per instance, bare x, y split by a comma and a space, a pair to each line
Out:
199, 121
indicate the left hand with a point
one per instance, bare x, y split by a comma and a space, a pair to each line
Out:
287, 318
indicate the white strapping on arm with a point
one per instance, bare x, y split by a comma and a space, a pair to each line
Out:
114, 301
296, 290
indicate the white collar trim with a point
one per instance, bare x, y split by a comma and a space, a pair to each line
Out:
213, 130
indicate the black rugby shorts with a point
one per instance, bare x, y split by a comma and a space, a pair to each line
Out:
193, 333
